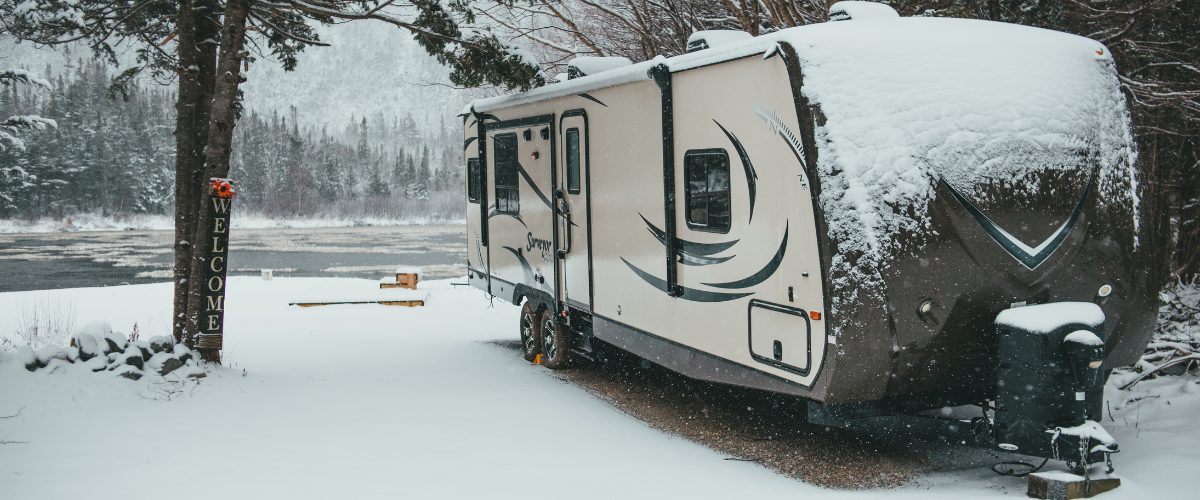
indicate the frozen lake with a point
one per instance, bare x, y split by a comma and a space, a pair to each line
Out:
38, 261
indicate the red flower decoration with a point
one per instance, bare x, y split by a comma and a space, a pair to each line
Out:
222, 188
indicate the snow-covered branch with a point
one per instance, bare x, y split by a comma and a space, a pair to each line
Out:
9, 76
30, 122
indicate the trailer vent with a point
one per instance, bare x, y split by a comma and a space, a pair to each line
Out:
590, 65
847, 10
701, 40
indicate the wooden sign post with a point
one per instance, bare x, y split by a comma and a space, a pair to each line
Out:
216, 258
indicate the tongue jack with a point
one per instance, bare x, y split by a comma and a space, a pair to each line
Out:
1085, 354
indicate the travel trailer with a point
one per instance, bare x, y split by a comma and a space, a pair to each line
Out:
881, 216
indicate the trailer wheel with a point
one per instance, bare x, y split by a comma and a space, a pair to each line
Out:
531, 331
554, 343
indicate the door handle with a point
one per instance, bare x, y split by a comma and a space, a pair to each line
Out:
564, 211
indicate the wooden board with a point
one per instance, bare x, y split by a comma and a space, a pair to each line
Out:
403, 280
407, 303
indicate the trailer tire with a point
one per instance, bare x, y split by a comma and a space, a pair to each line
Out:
555, 344
531, 331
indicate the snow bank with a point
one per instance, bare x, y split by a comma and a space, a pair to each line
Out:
1045, 318
847, 10
380, 402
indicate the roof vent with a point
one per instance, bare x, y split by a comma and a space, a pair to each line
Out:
707, 39
590, 65
848, 9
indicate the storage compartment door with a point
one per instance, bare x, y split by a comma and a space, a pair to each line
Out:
779, 337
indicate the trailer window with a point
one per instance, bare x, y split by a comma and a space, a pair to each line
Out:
473, 180
707, 172
507, 188
573, 160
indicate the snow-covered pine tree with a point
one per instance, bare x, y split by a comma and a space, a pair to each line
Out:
13, 178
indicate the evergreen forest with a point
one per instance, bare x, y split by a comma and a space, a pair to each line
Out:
114, 155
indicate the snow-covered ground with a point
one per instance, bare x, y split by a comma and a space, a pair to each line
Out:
370, 401
86, 222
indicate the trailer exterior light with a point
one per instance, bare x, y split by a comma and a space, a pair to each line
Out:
925, 307
535, 155
815, 315
1104, 291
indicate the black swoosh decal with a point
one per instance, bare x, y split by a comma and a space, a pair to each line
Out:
1031, 261
478, 251
537, 191
525, 267
485, 116
690, 294
685, 246
467, 143
692, 260
751, 175
593, 99
763, 273
494, 213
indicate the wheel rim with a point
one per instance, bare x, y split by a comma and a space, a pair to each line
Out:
548, 344
527, 338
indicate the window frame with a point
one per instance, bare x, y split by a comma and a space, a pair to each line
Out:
474, 191
688, 199
573, 176
508, 196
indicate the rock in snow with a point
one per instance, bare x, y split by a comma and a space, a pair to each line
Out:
27, 357
129, 372
102, 330
183, 353
162, 343
143, 346
96, 364
89, 346
132, 357
163, 363
47, 353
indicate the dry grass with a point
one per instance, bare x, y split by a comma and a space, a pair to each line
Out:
42, 319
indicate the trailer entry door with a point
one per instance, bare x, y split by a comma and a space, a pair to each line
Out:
574, 223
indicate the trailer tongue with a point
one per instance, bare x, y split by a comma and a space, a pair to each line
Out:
1046, 400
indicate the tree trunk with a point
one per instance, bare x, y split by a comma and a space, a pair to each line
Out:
216, 153
197, 69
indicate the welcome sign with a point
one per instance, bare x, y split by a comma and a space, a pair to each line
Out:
216, 264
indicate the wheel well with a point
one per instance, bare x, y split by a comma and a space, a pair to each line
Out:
538, 298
